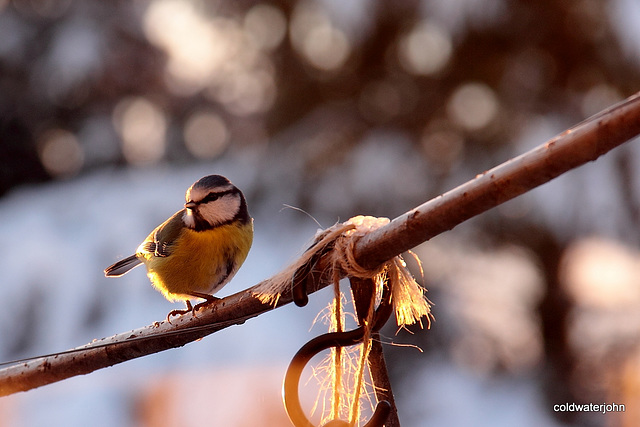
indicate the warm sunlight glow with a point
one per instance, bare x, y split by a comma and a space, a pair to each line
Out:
323, 45
194, 45
248, 92
473, 106
223, 56
60, 153
425, 49
602, 273
492, 296
205, 135
601, 277
266, 26
176, 397
326, 48
142, 128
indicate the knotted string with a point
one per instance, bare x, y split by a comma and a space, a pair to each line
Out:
337, 244
409, 301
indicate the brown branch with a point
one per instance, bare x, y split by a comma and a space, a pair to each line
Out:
583, 143
579, 145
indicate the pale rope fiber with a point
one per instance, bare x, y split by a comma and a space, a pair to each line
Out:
407, 296
408, 299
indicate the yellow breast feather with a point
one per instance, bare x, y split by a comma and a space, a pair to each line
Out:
200, 261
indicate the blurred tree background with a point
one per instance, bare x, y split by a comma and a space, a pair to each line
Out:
371, 107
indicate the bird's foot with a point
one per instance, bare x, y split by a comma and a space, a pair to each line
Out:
180, 312
207, 299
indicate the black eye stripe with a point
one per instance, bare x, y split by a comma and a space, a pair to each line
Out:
215, 196
210, 197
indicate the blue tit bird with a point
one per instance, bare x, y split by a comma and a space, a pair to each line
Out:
199, 249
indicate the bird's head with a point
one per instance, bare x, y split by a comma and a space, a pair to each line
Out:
213, 201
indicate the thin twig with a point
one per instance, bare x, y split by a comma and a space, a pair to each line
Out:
577, 146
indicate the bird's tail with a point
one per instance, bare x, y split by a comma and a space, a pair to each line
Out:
122, 266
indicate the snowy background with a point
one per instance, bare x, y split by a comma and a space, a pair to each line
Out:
57, 298
110, 110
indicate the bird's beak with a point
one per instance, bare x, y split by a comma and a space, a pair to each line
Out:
190, 205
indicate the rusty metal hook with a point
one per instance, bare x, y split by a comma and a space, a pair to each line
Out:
323, 342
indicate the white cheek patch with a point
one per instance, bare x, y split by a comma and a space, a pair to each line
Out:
188, 219
219, 211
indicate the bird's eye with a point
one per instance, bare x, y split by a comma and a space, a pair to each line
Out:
211, 197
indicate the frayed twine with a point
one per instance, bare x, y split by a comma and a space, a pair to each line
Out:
408, 297
270, 290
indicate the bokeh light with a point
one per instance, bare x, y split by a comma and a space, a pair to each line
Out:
473, 106
600, 276
600, 273
218, 54
194, 45
248, 92
425, 49
75, 56
598, 98
60, 153
266, 26
491, 299
142, 128
205, 135
314, 36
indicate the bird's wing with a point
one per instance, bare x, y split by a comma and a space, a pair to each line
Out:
162, 238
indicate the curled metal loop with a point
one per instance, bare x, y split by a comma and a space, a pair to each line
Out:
323, 342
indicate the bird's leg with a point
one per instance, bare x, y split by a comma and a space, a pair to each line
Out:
180, 312
208, 298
